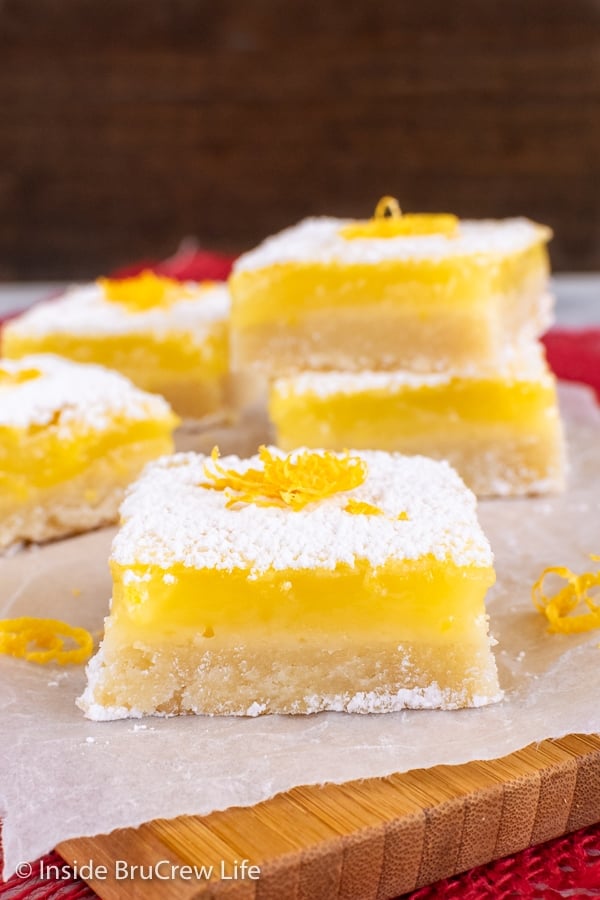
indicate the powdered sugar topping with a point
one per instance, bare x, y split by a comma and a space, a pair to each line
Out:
319, 240
526, 365
169, 517
85, 395
85, 311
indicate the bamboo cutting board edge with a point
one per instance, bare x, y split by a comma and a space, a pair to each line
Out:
365, 839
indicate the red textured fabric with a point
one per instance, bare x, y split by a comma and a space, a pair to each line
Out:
575, 355
568, 867
32, 887
188, 264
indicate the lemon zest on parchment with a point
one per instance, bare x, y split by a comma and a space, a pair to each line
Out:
558, 608
44, 641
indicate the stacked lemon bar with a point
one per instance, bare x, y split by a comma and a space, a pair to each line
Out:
167, 337
410, 333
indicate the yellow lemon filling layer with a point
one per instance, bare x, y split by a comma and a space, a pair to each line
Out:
190, 375
41, 456
425, 600
142, 357
379, 417
286, 291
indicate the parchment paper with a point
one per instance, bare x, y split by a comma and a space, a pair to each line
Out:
62, 776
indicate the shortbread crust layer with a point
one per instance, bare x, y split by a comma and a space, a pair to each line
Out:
250, 679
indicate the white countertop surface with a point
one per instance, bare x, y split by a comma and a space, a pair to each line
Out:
577, 295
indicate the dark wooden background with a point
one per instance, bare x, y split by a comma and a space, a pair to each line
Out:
125, 126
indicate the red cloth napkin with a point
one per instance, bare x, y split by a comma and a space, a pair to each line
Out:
188, 264
575, 355
570, 864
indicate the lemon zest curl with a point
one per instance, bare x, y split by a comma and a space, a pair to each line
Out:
143, 292
19, 637
558, 607
291, 481
389, 222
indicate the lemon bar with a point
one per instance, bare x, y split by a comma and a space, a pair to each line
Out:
500, 429
166, 337
426, 294
295, 584
71, 438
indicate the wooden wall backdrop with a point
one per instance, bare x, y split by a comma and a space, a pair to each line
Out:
128, 124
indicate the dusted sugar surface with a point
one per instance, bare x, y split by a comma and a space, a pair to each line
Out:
521, 364
85, 395
85, 311
320, 240
169, 517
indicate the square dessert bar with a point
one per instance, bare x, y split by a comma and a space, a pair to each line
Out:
424, 294
167, 337
499, 428
71, 438
294, 584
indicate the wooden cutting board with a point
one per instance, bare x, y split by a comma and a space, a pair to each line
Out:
363, 840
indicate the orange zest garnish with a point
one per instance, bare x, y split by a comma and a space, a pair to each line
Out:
11, 379
359, 508
44, 641
291, 481
557, 608
142, 292
390, 222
